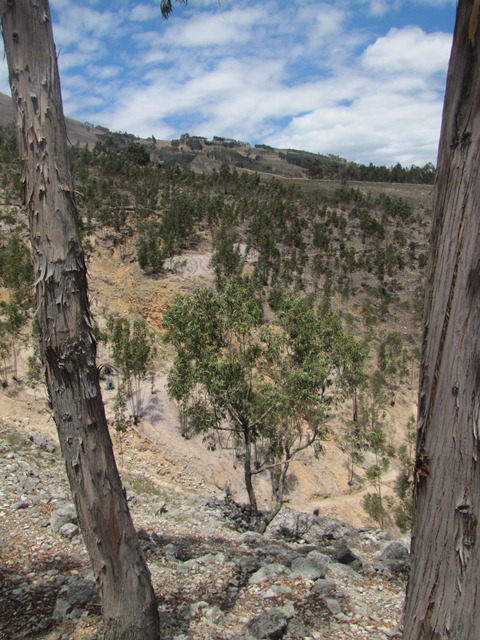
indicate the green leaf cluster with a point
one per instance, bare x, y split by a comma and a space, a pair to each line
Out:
241, 382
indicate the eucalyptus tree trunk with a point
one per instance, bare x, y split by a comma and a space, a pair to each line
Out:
443, 595
67, 344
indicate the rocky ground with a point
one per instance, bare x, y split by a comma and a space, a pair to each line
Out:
309, 576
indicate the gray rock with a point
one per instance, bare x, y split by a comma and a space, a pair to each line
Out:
69, 530
79, 591
266, 572
28, 483
333, 606
215, 616
343, 572
209, 558
62, 515
318, 530
62, 610
170, 551
344, 555
271, 624
277, 590
73, 596
395, 558
324, 588
42, 442
394, 551
4, 544
248, 564
310, 567
23, 504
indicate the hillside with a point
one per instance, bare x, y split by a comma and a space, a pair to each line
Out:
163, 218
152, 228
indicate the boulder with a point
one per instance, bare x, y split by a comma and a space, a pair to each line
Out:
69, 530
395, 558
42, 442
310, 567
267, 572
320, 531
73, 597
64, 514
324, 588
344, 555
271, 624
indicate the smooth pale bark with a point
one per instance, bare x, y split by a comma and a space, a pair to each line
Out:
443, 595
67, 344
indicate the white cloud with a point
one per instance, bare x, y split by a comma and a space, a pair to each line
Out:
409, 49
104, 72
377, 125
228, 28
143, 12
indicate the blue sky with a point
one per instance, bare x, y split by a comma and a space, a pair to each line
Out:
362, 79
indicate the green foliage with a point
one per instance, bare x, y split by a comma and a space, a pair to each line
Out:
35, 369
402, 504
374, 506
17, 275
134, 353
150, 253
16, 269
227, 259
241, 383
119, 412
182, 210
393, 362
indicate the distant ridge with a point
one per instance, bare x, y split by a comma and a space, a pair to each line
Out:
201, 155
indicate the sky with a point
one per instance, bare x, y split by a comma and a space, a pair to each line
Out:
361, 79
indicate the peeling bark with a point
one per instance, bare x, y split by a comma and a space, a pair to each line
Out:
67, 345
443, 595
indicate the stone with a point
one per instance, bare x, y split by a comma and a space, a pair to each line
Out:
215, 616
344, 555
69, 530
310, 567
266, 572
62, 609
324, 587
248, 564
277, 590
318, 530
79, 591
170, 552
23, 504
271, 624
42, 442
333, 606
395, 557
62, 515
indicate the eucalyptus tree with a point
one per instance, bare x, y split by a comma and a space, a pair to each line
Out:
393, 360
67, 344
265, 390
443, 594
134, 351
